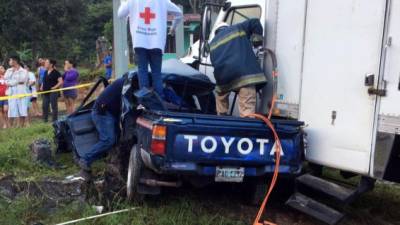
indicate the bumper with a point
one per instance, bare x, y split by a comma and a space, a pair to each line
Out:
185, 168
161, 166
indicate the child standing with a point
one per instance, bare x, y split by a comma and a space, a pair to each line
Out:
3, 103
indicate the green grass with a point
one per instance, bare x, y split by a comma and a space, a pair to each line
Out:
89, 75
173, 209
380, 206
179, 211
15, 157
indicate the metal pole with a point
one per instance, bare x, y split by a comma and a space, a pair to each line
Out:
121, 50
270, 25
180, 39
97, 216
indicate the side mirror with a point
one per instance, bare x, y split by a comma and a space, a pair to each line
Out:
206, 23
206, 49
227, 6
205, 31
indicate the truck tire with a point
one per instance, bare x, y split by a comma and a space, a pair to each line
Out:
256, 192
135, 169
316, 169
257, 189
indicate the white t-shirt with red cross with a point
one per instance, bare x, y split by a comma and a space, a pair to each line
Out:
148, 21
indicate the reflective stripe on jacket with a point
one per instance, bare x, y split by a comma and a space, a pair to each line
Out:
232, 56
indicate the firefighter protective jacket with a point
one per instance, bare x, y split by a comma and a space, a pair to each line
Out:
232, 56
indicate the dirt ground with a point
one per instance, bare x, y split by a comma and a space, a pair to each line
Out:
226, 200
231, 202
55, 191
220, 199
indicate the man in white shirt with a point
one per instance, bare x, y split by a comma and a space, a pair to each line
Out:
17, 81
148, 25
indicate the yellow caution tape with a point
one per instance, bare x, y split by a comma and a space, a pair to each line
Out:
47, 92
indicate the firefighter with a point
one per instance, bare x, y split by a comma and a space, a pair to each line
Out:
236, 68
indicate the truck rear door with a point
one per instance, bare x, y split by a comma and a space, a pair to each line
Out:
389, 105
343, 43
388, 125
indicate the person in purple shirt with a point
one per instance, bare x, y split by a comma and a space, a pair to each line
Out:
70, 78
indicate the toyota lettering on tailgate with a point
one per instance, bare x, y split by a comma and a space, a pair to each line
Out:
245, 146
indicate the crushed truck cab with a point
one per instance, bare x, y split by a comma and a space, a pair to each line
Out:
187, 141
191, 143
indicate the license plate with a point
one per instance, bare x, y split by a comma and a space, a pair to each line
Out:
229, 174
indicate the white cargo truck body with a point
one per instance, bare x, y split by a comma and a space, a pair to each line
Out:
326, 50
343, 44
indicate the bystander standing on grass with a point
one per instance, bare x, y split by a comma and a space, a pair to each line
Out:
41, 71
70, 79
17, 80
52, 81
3, 103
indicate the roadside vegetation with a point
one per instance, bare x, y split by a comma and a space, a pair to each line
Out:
172, 211
15, 157
175, 209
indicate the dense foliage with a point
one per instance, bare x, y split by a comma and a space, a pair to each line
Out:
52, 28
59, 28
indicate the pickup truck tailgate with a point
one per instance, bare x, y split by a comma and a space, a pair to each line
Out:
216, 140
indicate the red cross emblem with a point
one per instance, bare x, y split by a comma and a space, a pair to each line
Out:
147, 15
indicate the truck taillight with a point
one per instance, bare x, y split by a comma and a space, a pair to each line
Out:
158, 140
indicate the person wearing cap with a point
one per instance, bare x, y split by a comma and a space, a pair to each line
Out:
148, 25
17, 80
108, 62
236, 68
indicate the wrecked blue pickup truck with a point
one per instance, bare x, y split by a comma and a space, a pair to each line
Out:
185, 140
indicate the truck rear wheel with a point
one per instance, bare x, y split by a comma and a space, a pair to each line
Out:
134, 174
257, 189
256, 192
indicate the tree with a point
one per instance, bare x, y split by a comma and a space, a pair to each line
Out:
195, 5
52, 28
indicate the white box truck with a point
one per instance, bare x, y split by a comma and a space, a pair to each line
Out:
339, 71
